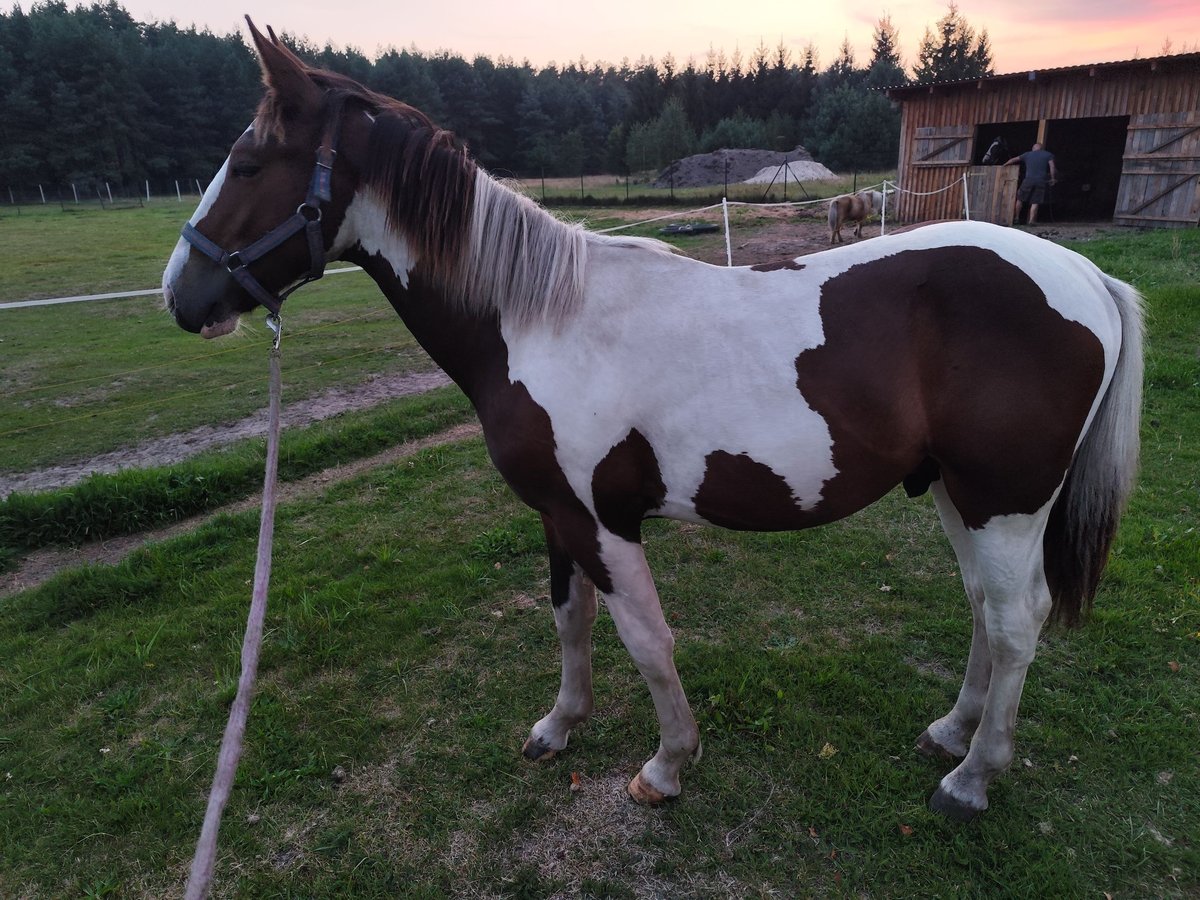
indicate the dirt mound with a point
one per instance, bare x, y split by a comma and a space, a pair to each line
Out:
705, 169
805, 170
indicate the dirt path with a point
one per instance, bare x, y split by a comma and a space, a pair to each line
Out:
176, 447
41, 565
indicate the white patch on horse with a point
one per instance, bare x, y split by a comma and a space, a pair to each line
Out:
733, 388
365, 224
179, 255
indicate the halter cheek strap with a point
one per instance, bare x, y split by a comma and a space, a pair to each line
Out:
306, 218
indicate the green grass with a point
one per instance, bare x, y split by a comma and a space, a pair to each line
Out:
133, 500
401, 647
51, 252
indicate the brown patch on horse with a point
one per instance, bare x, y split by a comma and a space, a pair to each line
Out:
789, 264
626, 485
949, 357
740, 492
427, 183
425, 178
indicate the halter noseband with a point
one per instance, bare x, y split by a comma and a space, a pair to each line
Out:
306, 218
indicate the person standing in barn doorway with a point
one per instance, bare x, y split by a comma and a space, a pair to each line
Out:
1040, 175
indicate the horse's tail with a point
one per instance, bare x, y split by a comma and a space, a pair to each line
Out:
1083, 520
834, 206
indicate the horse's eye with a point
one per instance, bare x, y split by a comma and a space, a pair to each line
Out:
246, 170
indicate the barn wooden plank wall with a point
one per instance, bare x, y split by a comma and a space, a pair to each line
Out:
939, 121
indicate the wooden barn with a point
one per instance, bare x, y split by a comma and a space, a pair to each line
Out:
1126, 137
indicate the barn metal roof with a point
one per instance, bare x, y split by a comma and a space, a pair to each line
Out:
1152, 63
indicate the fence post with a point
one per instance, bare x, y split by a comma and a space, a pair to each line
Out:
108, 187
75, 192
728, 246
178, 196
198, 188
147, 190
43, 193
883, 211
966, 198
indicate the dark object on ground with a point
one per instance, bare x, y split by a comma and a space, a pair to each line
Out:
690, 228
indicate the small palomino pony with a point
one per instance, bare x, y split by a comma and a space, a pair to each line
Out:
616, 381
852, 208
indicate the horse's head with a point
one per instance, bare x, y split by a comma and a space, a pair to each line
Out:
266, 222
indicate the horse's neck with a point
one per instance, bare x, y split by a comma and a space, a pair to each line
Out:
466, 345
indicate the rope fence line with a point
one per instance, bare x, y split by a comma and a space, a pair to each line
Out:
120, 295
886, 187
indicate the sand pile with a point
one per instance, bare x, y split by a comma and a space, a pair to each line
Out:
706, 169
805, 170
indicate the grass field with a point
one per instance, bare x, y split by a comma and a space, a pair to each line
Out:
410, 646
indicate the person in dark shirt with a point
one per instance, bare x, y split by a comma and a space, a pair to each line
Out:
1040, 174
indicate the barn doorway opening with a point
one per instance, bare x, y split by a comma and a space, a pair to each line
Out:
1016, 138
1088, 154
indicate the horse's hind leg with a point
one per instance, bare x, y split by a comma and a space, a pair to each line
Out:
635, 609
1008, 556
950, 735
574, 599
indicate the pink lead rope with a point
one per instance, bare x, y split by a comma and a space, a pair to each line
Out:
231, 744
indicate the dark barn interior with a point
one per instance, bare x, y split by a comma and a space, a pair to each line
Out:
1088, 155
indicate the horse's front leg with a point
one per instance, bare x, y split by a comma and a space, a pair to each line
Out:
633, 603
573, 597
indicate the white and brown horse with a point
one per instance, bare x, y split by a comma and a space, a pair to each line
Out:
616, 381
852, 208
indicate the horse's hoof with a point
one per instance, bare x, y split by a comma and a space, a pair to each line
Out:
644, 794
535, 751
946, 804
927, 745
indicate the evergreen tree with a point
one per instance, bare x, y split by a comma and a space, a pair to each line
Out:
954, 53
88, 95
886, 68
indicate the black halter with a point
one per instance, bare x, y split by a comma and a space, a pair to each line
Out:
306, 218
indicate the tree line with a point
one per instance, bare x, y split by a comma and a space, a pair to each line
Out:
89, 94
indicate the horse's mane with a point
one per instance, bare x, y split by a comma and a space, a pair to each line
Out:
488, 246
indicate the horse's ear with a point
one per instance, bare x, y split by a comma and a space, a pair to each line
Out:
283, 73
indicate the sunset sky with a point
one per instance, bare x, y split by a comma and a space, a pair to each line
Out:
1024, 34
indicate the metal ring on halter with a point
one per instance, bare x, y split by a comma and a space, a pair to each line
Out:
303, 206
276, 325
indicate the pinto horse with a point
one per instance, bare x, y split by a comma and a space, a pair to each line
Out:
852, 208
616, 381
